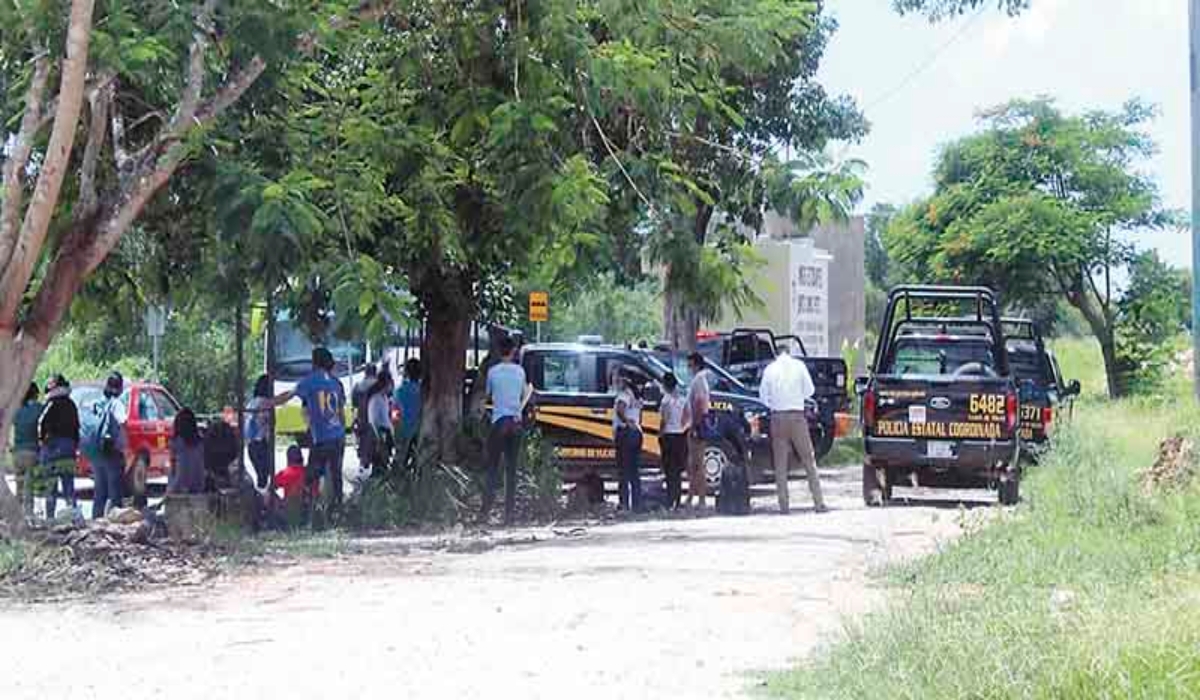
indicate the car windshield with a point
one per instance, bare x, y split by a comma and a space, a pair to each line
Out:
722, 380
937, 356
86, 398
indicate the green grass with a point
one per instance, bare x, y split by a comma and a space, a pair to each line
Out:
845, 451
1091, 589
1080, 358
12, 555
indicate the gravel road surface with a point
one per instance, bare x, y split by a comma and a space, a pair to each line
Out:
679, 608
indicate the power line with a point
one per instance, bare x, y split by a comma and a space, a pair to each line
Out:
928, 62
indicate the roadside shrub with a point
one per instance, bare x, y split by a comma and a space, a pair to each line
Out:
1087, 590
541, 477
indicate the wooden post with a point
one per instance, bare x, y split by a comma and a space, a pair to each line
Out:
240, 380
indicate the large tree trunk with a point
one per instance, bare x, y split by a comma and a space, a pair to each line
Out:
443, 356
1102, 327
19, 359
680, 323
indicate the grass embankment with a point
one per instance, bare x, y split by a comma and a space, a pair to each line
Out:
1091, 589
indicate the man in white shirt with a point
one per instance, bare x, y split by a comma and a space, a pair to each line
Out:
699, 403
786, 386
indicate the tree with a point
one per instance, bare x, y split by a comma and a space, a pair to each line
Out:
942, 9
711, 114
152, 79
1040, 205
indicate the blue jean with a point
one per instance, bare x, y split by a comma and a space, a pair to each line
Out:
106, 473
504, 442
326, 459
66, 489
629, 454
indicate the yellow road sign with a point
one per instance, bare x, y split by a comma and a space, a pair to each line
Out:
539, 307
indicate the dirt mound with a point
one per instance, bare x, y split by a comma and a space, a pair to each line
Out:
1175, 466
103, 557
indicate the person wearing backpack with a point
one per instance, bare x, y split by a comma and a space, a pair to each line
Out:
59, 436
105, 444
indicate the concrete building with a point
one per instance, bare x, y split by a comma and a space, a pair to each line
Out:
812, 285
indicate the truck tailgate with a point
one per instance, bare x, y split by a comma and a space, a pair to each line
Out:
944, 410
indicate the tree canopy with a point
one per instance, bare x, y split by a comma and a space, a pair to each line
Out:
1040, 204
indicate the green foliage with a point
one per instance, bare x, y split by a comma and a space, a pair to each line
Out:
1154, 311
1040, 205
944, 9
601, 306
1086, 591
541, 478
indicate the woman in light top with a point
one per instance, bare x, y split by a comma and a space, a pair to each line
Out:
627, 429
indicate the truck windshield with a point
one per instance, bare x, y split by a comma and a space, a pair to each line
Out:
1026, 363
937, 356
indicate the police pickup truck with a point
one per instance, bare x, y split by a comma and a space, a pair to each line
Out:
746, 352
573, 405
940, 401
1044, 396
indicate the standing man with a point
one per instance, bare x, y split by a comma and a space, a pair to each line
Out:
673, 437
699, 403
325, 411
108, 449
786, 386
509, 392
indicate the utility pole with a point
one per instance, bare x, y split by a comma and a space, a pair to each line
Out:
1194, 26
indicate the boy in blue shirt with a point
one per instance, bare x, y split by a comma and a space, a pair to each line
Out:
509, 392
408, 397
325, 411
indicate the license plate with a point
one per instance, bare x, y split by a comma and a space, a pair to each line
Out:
939, 450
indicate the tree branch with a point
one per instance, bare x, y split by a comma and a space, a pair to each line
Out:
99, 101
189, 101
231, 91
18, 158
17, 274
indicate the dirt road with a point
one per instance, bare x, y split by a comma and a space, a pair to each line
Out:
665, 609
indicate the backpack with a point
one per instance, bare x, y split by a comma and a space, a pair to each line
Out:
734, 497
100, 434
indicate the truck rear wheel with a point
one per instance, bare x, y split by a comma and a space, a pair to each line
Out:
823, 441
876, 487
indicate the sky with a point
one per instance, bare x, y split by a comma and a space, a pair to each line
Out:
922, 84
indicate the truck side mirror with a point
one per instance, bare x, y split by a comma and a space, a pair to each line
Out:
860, 385
1074, 388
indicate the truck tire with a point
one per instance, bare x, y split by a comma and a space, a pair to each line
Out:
823, 441
877, 491
1010, 492
135, 484
716, 456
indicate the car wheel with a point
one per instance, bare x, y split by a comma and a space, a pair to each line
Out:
137, 480
716, 458
1010, 491
876, 487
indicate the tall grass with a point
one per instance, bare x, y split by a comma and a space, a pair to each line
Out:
1090, 590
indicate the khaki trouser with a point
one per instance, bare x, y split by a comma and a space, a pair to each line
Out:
789, 437
697, 478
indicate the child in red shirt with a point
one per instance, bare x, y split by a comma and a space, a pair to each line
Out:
291, 479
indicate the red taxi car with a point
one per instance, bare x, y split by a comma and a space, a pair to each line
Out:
149, 422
